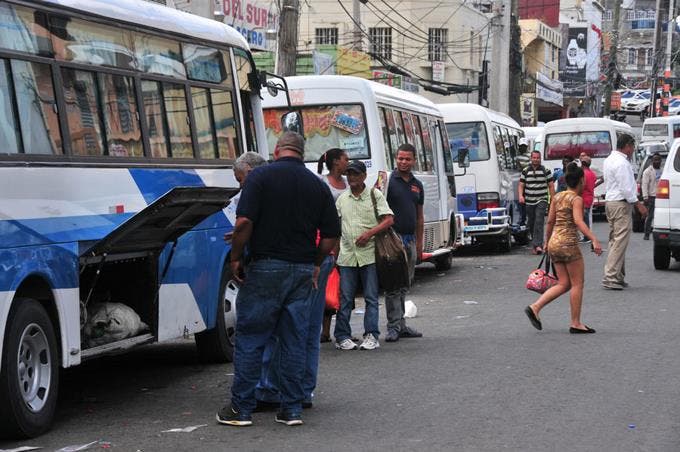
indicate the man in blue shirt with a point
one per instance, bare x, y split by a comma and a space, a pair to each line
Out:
405, 196
281, 208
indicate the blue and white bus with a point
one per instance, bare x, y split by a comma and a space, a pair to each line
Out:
120, 124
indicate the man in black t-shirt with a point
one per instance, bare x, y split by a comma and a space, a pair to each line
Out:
281, 208
405, 196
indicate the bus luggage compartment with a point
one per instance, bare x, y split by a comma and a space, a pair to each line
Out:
124, 267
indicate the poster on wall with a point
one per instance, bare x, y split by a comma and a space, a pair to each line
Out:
573, 61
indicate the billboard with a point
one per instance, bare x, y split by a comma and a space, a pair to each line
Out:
252, 19
573, 61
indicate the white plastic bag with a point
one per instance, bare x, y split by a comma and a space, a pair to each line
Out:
110, 322
410, 309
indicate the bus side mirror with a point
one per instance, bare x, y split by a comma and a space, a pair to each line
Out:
464, 158
292, 122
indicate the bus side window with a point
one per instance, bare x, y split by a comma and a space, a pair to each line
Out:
82, 112
225, 123
35, 101
177, 115
123, 134
676, 130
500, 147
243, 68
386, 135
154, 115
427, 143
205, 133
411, 139
10, 136
394, 139
399, 126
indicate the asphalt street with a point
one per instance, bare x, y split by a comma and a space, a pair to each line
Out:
482, 379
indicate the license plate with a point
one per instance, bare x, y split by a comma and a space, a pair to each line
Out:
478, 227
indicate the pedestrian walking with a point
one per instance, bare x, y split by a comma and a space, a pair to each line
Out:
560, 182
405, 196
282, 207
357, 256
565, 220
535, 185
620, 198
650, 179
589, 184
336, 161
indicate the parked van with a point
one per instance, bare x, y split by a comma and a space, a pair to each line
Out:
487, 192
369, 121
594, 136
663, 128
533, 136
666, 232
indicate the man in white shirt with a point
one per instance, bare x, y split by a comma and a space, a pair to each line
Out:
650, 178
621, 196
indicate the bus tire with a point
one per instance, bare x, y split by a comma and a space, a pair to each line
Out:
505, 242
662, 257
29, 379
444, 262
522, 238
217, 344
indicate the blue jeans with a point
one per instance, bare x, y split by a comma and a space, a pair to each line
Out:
586, 215
268, 387
273, 300
349, 276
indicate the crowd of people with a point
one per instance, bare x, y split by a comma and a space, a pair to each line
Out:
292, 227
570, 213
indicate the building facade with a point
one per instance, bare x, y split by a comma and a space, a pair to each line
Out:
543, 98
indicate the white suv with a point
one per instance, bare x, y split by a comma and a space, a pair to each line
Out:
667, 212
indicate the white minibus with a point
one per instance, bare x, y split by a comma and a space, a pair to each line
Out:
487, 192
594, 136
661, 128
370, 120
533, 136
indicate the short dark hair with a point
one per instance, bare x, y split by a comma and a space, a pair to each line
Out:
407, 147
573, 175
623, 139
656, 154
536, 152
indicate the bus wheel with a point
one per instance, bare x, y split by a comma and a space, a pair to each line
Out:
444, 262
662, 257
522, 238
505, 243
29, 378
217, 345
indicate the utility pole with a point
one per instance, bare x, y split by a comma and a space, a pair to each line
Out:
288, 38
515, 73
611, 69
669, 50
356, 15
500, 57
655, 59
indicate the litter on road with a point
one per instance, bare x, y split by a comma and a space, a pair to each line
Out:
470, 302
77, 447
189, 429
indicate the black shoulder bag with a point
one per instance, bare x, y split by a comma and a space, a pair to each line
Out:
390, 256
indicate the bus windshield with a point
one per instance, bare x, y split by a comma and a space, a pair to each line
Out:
655, 131
470, 135
325, 127
595, 144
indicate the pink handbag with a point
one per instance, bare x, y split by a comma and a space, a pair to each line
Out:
541, 280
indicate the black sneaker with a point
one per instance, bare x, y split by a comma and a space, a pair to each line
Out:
263, 406
288, 419
407, 331
306, 404
391, 336
229, 416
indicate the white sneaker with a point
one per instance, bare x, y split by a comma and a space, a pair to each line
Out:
346, 344
370, 343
